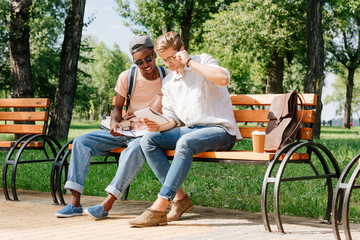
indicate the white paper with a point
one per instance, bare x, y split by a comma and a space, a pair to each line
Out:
152, 115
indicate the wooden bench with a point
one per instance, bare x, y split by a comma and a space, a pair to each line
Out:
341, 200
32, 129
248, 116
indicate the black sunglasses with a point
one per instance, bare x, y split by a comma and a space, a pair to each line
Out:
147, 59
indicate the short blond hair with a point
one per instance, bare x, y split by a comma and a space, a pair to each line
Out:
167, 40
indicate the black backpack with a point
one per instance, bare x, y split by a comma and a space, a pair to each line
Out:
132, 80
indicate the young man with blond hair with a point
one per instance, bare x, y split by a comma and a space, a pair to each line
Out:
195, 93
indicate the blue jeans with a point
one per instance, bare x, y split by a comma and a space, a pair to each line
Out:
96, 144
186, 142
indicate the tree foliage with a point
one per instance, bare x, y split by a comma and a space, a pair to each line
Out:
5, 74
339, 95
47, 30
97, 77
343, 43
157, 17
246, 35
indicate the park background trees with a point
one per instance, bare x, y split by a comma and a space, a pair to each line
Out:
268, 46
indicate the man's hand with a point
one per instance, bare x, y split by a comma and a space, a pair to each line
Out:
182, 56
114, 126
150, 125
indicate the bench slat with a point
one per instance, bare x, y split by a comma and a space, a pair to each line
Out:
22, 129
266, 99
305, 133
25, 102
23, 116
261, 116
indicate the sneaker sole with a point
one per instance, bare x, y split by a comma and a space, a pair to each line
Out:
144, 226
92, 216
60, 215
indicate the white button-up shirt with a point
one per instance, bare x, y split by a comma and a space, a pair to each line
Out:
196, 101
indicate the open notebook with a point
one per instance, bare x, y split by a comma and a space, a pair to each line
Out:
105, 124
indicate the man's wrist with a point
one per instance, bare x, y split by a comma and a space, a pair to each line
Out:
187, 62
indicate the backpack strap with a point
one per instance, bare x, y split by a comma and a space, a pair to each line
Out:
162, 72
131, 84
132, 81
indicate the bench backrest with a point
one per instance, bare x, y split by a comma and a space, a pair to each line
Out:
8, 115
250, 114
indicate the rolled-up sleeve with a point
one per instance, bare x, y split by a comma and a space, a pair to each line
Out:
210, 61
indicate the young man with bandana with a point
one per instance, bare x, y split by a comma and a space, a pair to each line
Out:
147, 92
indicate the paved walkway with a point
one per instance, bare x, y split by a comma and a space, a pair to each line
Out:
33, 218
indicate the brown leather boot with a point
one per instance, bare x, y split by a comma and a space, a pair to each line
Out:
149, 218
179, 207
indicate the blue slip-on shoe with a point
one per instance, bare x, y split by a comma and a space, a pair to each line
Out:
96, 212
69, 211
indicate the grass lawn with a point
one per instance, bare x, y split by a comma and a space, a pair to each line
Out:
235, 186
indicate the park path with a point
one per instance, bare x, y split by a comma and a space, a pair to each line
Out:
33, 218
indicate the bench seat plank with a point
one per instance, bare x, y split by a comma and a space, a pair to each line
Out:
231, 155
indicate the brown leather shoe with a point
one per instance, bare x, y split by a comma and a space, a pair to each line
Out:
149, 218
179, 207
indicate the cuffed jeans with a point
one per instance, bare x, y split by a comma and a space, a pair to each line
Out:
99, 143
186, 142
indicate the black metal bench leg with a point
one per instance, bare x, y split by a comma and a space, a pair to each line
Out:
13, 182
270, 180
264, 192
63, 166
339, 203
315, 149
55, 172
126, 193
346, 204
276, 197
4, 181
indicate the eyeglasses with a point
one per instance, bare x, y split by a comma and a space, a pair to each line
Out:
147, 59
169, 59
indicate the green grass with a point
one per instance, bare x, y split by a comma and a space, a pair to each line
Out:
234, 186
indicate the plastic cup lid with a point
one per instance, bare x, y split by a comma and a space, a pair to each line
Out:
258, 133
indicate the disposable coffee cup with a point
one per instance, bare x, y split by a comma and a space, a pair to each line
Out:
258, 140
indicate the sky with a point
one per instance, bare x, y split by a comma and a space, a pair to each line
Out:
108, 27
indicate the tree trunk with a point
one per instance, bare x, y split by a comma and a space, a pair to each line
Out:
349, 93
22, 82
315, 58
65, 91
186, 25
275, 74
20, 50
